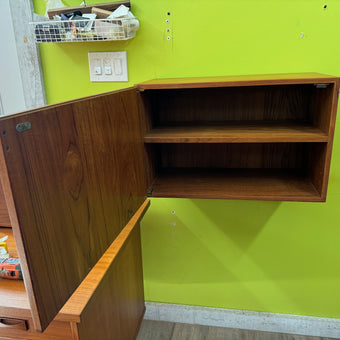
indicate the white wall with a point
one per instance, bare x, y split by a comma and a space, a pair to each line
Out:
11, 89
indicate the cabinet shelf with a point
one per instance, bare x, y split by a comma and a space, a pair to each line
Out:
237, 133
242, 184
13, 294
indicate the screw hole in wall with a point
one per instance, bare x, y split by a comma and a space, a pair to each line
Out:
324, 6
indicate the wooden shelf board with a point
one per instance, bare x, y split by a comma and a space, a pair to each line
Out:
245, 184
13, 297
246, 80
241, 133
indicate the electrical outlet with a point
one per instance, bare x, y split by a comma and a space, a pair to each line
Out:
108, 66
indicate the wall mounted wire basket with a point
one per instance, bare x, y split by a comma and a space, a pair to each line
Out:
84, 30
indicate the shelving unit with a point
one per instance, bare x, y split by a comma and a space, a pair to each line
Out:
248, 137
74, 184
12, 293
237, 133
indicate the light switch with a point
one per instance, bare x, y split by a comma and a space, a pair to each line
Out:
118, 66
97, 70
108, 70
108, 66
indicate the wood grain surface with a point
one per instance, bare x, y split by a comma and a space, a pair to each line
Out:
237, 133
239, 184
212, 125
75, 180
233, 155
116, 307
261, 104
4, 217
245, 80
55, 331
77, 303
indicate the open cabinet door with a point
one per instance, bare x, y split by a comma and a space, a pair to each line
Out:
73, 175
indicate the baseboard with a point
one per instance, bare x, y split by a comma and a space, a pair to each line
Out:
260, 321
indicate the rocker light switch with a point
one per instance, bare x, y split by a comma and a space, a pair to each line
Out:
108, 66
108, 70
98, 70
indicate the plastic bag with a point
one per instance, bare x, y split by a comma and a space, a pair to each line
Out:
51, 4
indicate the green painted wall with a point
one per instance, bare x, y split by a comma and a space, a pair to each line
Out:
263, 256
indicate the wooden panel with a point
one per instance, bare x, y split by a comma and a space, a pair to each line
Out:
238, 133
110, 301
55, 331
284, 103
268, 185
321, 107
321, 158
73, 181
111, 6
247, 80
256, 155
4, 217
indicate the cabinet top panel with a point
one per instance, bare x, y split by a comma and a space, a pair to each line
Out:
245, 80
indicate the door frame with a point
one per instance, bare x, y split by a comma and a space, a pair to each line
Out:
28, 54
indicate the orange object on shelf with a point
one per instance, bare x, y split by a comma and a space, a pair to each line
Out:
10, 269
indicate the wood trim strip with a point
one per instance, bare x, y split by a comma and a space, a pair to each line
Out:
7, 189
74, 307
228, 81
111, 6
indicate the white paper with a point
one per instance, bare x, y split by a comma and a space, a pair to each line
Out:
120, 12
4, 238
52, 4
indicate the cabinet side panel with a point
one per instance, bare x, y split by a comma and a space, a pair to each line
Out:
76, 180
116, 309
324, 110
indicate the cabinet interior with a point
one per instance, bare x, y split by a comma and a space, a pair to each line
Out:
252, 142
12, 292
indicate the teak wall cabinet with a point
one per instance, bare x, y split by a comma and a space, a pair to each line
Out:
75, 176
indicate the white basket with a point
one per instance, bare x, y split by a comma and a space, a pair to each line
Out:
84, 30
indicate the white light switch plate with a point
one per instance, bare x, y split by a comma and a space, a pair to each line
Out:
113, 66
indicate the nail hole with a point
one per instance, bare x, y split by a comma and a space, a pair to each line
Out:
4, 132
168, 13
173, 212
167, 38
7, 148
168, 30
325, 6
167, 21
